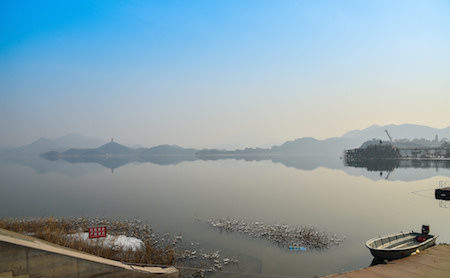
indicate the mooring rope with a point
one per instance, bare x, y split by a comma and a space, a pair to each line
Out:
422, 195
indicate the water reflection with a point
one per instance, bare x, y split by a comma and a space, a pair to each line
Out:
113, 162
391, 164
378, 165
388, 169
300, 190
43, 166
108, 162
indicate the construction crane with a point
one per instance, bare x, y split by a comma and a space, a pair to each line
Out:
390, 138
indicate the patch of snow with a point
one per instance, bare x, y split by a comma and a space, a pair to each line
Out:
121, 241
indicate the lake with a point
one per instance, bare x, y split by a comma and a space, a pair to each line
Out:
308, 190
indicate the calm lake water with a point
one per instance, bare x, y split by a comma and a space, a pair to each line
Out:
317, 191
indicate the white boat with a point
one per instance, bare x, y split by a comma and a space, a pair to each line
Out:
400, 245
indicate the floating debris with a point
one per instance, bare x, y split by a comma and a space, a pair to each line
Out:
293, 237
297, 248
229, 261
199, 262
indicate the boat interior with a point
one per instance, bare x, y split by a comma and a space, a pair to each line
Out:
398, 241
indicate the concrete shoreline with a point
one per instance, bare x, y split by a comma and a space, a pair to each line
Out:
433, 262
52, 260
29, 256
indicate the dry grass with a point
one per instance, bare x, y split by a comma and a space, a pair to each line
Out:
56, 230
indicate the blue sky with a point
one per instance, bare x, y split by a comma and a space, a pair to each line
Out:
220, 73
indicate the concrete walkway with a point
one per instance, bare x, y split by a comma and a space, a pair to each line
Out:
21, 254
433, 262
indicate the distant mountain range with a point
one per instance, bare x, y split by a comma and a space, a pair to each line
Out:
335, 145
113, 149
301, 146
42, 145
408, 131
303, 153
74, 145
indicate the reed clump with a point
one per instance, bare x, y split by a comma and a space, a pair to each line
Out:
58, 231
283, 235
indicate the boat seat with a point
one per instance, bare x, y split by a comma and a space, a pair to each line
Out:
406, 244
397, 243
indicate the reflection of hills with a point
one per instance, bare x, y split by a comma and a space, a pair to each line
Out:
415, 163
309, 162
304, 162
167, 159
399, 170
108, 162
391, 164
375, 164
404, 170
44, 166
301, 162
114, 162
374, 170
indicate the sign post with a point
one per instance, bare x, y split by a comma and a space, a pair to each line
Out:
97, 232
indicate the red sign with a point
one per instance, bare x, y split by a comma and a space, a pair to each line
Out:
97, 232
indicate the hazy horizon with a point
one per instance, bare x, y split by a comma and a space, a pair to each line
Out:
220, 74
228, 145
